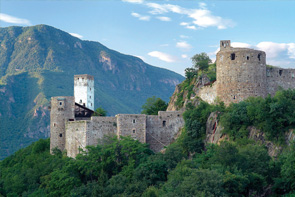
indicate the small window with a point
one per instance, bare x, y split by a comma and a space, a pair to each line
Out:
80, 101
71, 119
54, 124
84, 104
164, 123
60, 103
248, 57
280, 72
259, 57
133, 121
234, 97
60, 135
133, 131
233, 56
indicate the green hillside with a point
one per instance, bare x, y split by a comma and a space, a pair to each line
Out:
39, 62
238, 166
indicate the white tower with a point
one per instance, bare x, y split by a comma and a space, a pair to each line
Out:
84, 90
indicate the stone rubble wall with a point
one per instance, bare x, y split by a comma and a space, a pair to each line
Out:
278, 77
163, 128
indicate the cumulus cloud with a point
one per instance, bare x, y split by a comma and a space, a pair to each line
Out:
77, 35
141, 17
133, 1
201, 17
14, 20
184, 56
164, 18
183, 45
162, 56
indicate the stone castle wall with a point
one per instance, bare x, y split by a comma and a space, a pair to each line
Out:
162, 129
75, 137
278, 77
82, 133
133, 125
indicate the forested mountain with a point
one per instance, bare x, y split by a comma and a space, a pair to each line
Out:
39, 62
237, 166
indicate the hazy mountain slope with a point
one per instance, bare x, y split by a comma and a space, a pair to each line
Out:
39, 62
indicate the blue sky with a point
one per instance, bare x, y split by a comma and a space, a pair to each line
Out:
167, 33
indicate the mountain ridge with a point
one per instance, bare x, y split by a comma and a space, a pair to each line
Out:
46, 60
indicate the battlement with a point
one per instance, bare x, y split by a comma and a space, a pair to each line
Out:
225, 44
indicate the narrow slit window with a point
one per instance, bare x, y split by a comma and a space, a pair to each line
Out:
133, 121
259, 57
280, 72
248, 57
60, 135
164, 123
133, 131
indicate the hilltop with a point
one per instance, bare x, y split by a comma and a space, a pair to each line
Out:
39, 62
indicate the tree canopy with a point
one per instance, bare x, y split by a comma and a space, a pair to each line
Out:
153, 105
100, 112
201, 61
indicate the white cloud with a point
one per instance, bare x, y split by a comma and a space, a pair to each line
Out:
164, 18
273, 50
184, 24
141, 17
188, 26
77, 35
183, 45
162, 56
133, 1
201, 17
184, 56
191, 27
14, 20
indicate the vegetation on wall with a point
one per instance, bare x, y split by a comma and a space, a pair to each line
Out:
188, 167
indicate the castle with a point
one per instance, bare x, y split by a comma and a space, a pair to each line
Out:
72, 126
241, 73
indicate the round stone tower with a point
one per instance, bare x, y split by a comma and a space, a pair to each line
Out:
241, 73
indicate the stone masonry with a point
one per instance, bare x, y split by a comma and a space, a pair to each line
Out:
242, 73
73, 129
